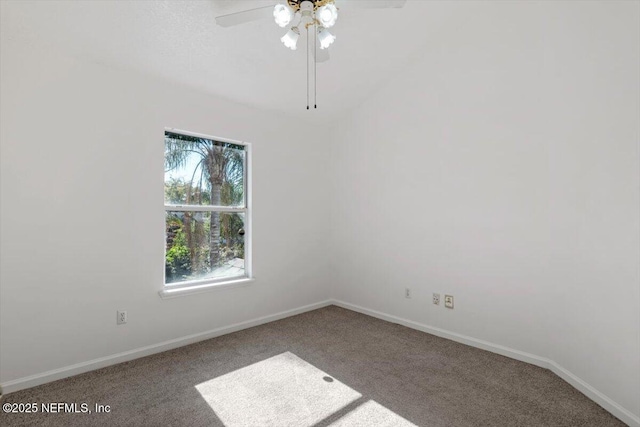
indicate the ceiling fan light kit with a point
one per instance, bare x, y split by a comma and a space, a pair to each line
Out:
320, 14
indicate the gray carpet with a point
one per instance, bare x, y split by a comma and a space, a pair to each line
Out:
328, 367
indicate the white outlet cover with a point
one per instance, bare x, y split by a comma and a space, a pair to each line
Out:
448, 301
436, 299
121, 317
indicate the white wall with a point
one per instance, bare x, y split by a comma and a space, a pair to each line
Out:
501, 166
83, 219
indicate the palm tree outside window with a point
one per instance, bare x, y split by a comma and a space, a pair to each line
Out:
206, 209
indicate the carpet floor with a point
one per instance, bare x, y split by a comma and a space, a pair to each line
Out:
328, 367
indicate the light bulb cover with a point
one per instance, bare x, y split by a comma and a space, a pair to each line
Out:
290, 39
325, 38
327, 15
282, 15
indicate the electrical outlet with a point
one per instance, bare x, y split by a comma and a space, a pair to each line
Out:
448, 301
436, 299
407, 293
122, 318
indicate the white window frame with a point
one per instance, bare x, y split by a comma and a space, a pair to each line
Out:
205, 285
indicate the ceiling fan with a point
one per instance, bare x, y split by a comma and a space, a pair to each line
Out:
319, 15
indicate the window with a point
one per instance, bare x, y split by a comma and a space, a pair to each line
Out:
207, 217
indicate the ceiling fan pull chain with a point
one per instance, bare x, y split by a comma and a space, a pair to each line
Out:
307, 67
315, 66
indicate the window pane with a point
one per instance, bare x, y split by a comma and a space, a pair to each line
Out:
200, 171
196, 250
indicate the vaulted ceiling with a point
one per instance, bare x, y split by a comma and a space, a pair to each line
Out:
179, 41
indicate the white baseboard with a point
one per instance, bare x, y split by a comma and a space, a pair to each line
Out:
593, 394
80, 368
589, 391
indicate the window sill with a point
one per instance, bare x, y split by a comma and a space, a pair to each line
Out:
167, 292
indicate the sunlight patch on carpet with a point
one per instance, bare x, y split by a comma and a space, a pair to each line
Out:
372, 413
283, 390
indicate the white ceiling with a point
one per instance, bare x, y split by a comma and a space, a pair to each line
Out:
179, 41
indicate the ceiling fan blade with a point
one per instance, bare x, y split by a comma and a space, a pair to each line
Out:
243, 17
373, 4
322, 55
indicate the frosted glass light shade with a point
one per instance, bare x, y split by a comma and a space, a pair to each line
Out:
290, 39
325, 38
327, 15
282, 15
